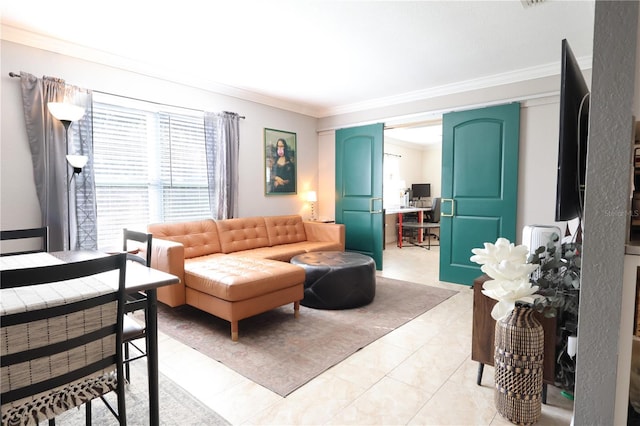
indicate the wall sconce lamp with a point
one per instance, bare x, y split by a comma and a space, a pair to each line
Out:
312, 197
67, 114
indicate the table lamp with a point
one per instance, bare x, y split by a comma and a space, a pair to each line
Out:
312, 197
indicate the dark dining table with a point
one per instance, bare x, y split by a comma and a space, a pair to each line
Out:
139, 278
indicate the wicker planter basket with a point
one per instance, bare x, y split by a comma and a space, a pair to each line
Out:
519, 355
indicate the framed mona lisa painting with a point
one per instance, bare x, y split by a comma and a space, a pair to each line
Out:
280, 162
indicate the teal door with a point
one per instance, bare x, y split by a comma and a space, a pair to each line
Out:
479, 185
359, 155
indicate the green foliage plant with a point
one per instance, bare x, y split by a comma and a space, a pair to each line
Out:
558, 279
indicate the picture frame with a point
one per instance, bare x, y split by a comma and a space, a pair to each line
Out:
280, 168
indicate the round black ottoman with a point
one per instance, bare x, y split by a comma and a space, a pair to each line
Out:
337, 280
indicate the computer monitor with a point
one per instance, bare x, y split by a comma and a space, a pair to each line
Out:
420, 190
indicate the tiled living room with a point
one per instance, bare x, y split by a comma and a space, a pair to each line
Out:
419, 374
423, 368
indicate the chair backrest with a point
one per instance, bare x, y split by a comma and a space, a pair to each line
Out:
435, 210
23, 234
139, 237
74, 351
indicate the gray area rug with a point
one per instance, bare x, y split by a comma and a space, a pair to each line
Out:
282, 353
177, 406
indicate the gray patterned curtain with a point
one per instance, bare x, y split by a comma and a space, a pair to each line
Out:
222, 140
46, 136
81, 141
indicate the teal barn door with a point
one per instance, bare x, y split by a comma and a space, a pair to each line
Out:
359, 156
479, 185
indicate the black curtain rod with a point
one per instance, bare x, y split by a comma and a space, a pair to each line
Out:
13, 74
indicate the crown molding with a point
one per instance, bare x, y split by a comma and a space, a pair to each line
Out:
459, 87
43, 42
40, 41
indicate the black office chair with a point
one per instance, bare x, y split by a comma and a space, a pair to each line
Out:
433, 221
133, 330
37, 386
433, 216
23, 234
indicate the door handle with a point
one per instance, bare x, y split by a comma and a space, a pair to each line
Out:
371, 201
453, 203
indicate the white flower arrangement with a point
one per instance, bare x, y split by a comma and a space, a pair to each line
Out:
507, 265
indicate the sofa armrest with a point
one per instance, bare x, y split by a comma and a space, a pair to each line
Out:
168, 256
320, 231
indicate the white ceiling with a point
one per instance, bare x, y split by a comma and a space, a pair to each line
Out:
317, 57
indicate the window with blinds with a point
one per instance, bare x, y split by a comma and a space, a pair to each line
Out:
150, 165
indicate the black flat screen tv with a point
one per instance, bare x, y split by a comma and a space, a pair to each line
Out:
420, 190
572, 150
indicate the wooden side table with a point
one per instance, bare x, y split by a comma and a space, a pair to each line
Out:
483, 336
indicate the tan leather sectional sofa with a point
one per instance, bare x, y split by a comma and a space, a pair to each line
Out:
237, 268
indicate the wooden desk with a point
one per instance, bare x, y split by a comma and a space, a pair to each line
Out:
138, 278
401, 211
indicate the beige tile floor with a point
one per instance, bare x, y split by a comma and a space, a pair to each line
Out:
419, 374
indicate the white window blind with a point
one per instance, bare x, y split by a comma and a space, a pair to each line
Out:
150, 166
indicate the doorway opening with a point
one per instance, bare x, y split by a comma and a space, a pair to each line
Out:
412, 155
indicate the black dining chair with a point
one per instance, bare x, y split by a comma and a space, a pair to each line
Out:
74, 351
139, 252
41, 233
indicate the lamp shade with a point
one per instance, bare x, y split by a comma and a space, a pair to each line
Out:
312, 196
77, 161
65, 112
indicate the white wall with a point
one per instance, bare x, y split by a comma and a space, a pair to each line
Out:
410, 160
432, 168
433, 108
19, 204
538, 160
326, 175
602, 380
630, 280
410, 167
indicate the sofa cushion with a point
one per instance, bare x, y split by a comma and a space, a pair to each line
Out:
206, 257
283, 252
310, 246
285, 229
242, 234
235, 278
199, 237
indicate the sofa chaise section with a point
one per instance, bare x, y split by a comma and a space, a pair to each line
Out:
237, 268
234, 288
